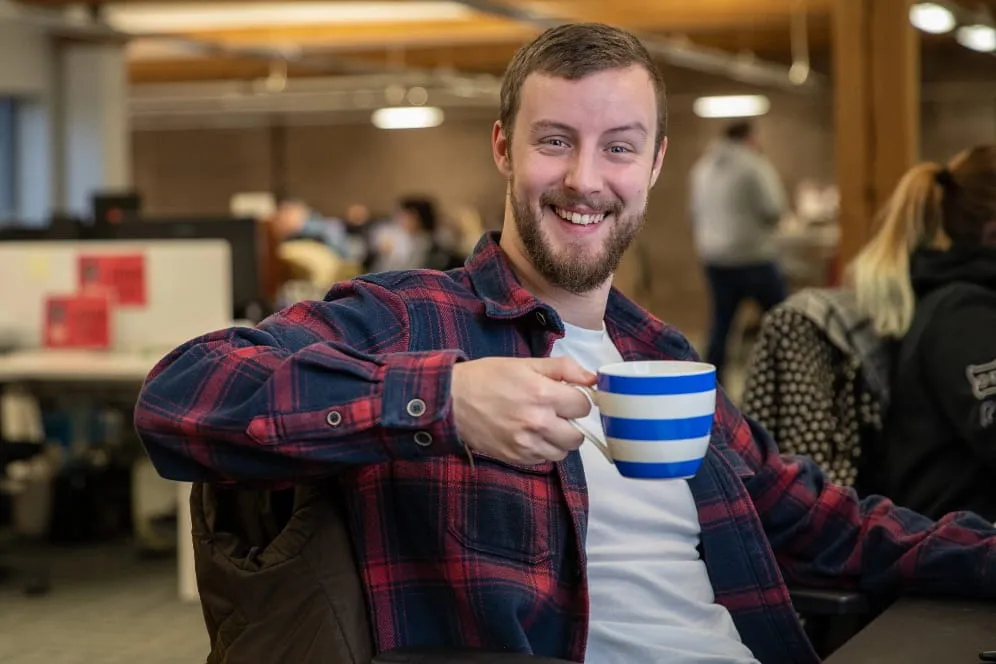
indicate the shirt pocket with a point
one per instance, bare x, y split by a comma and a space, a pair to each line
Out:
503, 509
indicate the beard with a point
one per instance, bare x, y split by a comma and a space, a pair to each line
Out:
573, 268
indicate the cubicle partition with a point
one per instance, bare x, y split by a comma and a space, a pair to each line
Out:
244, 238
186, 284
176, 290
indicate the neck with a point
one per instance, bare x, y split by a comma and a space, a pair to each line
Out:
584, 310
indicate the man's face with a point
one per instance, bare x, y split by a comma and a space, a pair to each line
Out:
580, 166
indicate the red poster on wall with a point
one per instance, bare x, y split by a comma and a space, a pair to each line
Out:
122, 275
78, 321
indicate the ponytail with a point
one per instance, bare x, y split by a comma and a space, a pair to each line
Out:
880, 273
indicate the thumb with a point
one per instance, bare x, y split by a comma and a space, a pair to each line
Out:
563, 369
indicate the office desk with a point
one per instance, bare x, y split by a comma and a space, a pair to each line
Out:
84, 372
75, 366
922, 631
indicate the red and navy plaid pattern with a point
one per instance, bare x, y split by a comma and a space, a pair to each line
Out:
488, 554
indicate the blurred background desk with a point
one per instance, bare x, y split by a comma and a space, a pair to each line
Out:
924, 631
102, 482
76, 366
85, 376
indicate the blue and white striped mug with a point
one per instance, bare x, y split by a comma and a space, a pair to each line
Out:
657, 416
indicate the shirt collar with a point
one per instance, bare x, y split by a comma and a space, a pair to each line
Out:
496, 284
504, 297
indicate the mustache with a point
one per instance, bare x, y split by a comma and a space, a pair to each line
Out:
565, 199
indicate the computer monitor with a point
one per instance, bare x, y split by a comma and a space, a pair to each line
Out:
58, 228
112, 208
241, 235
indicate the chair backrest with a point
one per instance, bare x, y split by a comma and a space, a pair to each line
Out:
274, 564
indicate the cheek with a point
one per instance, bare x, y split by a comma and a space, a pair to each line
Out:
633, 188
538, 175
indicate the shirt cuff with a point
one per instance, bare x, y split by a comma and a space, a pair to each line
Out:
416, 406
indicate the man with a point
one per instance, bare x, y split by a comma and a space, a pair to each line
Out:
737, 201
437, 403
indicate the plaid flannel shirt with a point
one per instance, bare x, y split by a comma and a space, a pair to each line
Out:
355, 389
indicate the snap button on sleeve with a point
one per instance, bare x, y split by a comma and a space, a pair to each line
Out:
416, 408
423, 438
334, 418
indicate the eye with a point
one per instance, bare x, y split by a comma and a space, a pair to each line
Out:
619, 149
555, 142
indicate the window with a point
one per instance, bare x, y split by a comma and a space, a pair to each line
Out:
8, 157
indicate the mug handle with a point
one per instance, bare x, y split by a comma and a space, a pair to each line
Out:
596, 440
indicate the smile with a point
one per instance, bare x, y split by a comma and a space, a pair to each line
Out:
577, 217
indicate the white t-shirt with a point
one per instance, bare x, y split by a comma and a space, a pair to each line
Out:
651, 598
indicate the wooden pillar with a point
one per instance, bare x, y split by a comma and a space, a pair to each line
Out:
876, 80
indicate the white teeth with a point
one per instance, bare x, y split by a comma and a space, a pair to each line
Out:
577, 218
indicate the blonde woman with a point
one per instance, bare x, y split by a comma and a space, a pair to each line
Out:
928, 280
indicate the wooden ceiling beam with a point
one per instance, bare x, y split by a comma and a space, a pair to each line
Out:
469, 58
375, 35
677, 17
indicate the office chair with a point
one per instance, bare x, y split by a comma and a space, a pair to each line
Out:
230, 528
34, 575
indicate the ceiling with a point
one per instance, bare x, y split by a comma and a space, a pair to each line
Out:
332, 55
239, 39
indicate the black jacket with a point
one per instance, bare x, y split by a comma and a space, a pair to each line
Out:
939, 449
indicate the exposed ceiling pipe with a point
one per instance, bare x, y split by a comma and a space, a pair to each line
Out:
681, 52
799, 34
313, 94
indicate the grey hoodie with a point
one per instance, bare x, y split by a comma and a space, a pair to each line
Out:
736, 200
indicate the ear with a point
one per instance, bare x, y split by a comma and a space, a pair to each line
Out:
658, 162
501, 149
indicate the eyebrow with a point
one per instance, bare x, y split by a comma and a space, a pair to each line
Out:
543, 125
633, 126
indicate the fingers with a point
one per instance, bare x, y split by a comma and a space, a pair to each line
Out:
569, 402
544, 451
555, 449
563, 369
563, 436
546, 437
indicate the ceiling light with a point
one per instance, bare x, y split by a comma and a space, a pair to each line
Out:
731, 106
980, 38
190, 17
407, 117
932, 18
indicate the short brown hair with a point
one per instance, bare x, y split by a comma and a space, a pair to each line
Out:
574, 51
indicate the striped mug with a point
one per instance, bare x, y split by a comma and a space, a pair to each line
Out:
657, 416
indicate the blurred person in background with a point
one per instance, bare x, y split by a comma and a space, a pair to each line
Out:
360, 227
296, 220
468, 229
412, 240
927, 280
737, 200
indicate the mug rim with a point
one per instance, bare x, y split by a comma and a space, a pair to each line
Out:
689, 368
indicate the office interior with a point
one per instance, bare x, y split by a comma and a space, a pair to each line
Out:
161, 141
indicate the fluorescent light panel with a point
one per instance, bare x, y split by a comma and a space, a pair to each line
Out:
407, 117
193, 16
731, 106
932, 18
980, 38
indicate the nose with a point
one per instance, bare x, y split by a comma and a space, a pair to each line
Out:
583, 174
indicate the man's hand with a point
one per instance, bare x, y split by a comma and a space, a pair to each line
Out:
516, 409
